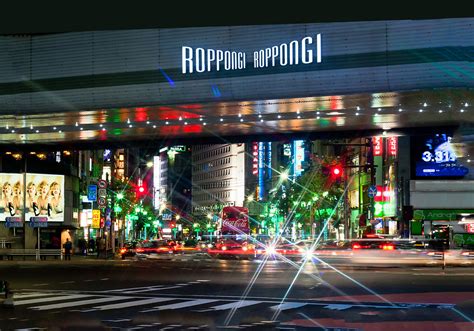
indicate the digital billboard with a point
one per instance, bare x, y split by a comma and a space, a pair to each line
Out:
11, 202
44, 196
434, 156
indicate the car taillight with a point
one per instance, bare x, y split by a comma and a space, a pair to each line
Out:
224, 248
388, 247
123, 250
356, 246
140, 250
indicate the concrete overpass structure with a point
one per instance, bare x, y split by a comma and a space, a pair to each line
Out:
97, 88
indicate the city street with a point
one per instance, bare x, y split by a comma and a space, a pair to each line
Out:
202, 293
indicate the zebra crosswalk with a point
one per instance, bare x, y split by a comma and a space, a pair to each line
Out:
96, 302
142, 302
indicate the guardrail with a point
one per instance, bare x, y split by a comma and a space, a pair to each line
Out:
10, 253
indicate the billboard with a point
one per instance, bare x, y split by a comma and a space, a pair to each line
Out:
11, 202
44, 196
435, 157
235, 220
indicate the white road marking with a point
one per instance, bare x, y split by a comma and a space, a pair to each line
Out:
132, 303
30, 295
55, 298
134, 288
288, 305
152, 289
79, 303
203, 280
237, 304
181, 305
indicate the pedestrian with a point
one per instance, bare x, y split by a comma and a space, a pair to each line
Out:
101, 247
67, 249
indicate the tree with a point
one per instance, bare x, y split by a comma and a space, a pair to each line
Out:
314, 195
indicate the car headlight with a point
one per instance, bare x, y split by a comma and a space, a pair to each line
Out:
270, 250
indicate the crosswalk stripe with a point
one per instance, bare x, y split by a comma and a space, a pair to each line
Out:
78, 303
30, 295
134, 288
133, 303
152, 289
181, 305
55, 298
288, 305
237, 304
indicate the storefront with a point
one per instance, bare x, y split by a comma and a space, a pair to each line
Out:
444, 224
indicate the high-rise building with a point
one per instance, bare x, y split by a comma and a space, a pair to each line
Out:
218, 176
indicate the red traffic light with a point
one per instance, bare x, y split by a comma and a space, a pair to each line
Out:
141, 189
336, 171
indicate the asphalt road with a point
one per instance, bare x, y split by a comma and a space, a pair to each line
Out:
210, 294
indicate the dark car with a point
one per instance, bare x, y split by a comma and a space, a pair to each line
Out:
128, 249
371, 244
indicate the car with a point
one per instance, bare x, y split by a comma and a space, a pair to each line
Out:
128, 249
231, 248
155, 247
205, 245
371, 243
188, 246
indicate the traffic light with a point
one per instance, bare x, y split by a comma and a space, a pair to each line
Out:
336, 171
140, 190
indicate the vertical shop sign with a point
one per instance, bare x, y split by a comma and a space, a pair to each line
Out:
392, 146
255, 158
378, 146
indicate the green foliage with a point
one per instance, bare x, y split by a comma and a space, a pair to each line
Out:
310, 198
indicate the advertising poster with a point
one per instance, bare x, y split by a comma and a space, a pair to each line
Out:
11, 202
435, 157
44, 197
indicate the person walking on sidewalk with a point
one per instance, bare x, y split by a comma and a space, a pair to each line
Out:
101, 247
67, 249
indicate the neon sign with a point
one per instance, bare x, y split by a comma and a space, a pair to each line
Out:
199, 60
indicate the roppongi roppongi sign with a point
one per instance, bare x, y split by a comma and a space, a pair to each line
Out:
306, 50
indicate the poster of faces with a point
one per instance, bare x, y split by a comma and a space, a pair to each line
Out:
40, 195
44, 196
11, 201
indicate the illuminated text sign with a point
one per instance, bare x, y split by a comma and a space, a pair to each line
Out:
304, 51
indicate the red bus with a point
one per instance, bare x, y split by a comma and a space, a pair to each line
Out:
235, 220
